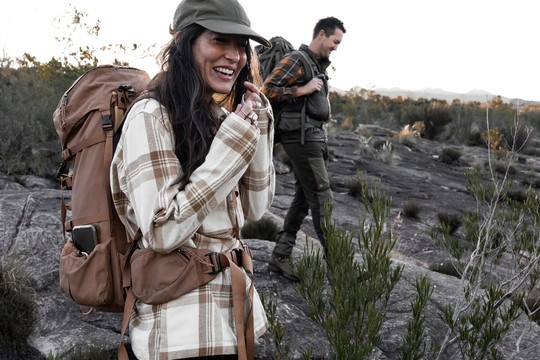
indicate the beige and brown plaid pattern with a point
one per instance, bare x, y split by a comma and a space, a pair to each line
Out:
145, 183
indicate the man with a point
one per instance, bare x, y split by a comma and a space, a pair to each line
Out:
299, 83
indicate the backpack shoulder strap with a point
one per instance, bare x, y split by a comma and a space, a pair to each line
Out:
120, 124
308, 64
310, 73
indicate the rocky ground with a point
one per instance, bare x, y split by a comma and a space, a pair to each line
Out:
30, 231
414, 174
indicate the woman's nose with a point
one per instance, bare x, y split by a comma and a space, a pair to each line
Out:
233, 52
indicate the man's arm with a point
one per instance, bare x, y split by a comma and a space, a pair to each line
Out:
283, 82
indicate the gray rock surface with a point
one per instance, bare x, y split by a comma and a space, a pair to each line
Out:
30, 231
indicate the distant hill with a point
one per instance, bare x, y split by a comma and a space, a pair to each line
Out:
473, 95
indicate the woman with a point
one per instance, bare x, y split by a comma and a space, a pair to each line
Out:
201, 141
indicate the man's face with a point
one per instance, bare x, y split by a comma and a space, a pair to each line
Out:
330, 43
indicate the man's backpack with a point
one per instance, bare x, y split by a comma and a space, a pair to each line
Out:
96, 245
269, 58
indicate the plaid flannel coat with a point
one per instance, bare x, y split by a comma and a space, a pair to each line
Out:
145, 175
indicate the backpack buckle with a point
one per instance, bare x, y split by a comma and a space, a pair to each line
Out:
107, 122
237, 256
61, 173
126, 89
215, 261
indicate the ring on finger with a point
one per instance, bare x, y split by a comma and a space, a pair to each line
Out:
245, 115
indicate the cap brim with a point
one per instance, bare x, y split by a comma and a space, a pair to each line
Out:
226, 27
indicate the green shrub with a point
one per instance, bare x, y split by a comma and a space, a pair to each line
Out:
350, 309
382, 144
263, 229
450, 221
518, 195
26, 106
531, 180
518, 140
449, 156
531, 151
412, 209
384, 151
502, 168
355, 187
278, 332
17, 304
93, 352
414, 343
438, 116
497, 230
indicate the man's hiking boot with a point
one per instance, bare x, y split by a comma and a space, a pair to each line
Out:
283, 266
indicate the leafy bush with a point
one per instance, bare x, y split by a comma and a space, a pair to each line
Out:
264, 229
384, 151
414, 347
518, 195
93, 353
350, 309
449, 156
518, 141
28, 97
502, 167
449, 221
487, 305
531, 180
412, 209
437, 117
278, 332
355, 187
17, 304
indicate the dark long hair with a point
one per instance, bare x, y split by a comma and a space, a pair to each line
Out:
181, 90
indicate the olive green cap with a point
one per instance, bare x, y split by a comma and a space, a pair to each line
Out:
221, 16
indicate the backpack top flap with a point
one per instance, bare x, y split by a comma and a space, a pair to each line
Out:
270, 57
94, 91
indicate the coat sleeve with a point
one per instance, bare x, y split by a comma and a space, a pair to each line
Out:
282, 84
149, 173
257, 185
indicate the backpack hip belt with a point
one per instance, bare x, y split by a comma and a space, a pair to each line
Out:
180, 271
185, 270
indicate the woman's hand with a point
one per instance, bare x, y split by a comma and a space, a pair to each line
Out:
251, 101
252, 94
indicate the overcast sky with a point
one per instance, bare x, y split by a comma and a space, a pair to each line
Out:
454, 45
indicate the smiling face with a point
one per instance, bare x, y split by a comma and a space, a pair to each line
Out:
332, 42
324, 45
219, 59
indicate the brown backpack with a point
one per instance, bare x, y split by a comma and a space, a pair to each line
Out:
99, 265
96, 246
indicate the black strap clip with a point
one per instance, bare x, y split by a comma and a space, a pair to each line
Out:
107, 123
62, 171
215, 261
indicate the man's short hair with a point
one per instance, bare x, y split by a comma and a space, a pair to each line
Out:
329, 26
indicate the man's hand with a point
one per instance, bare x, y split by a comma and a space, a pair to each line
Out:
312, 86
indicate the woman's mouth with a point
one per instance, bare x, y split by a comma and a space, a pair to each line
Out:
224, 71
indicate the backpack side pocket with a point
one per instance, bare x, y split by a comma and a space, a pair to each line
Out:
87, 279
